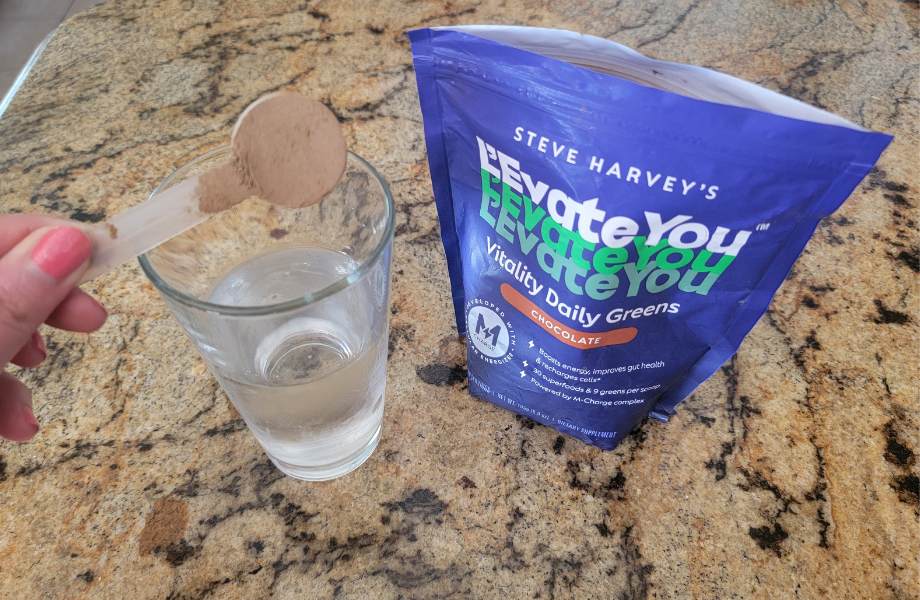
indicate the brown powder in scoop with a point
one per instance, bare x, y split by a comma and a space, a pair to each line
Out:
220, 188
287, 149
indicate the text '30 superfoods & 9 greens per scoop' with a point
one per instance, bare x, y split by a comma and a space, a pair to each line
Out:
614, 225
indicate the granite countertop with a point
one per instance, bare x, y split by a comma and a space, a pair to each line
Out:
791, 473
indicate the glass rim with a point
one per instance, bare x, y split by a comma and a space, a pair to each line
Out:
294, 303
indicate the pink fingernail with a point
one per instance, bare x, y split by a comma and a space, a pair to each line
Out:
29, 417
40, 344
61, 251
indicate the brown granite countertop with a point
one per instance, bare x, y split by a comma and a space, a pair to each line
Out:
791, 473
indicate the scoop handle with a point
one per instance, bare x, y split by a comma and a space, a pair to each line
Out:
140, 228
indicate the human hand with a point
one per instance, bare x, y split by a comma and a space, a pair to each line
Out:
41, 260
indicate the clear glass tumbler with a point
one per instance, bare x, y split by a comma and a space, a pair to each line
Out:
289, 309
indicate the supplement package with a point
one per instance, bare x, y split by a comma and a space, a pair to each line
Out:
614, 225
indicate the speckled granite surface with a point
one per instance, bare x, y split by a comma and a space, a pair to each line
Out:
791, 473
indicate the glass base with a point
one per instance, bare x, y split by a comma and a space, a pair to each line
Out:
330, 471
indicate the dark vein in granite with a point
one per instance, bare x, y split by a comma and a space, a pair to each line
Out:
213, 397
675, 24
50, 188
817, 494
441, 374
719, 464
800, 82
638, 584
445, 18
647, 13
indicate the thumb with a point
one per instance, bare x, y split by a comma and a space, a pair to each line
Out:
35, 276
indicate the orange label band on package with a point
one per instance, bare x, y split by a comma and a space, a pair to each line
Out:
567, 335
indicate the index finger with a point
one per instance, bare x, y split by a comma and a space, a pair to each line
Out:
35, 276
15, 227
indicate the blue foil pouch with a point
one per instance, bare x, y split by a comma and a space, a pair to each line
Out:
614, 225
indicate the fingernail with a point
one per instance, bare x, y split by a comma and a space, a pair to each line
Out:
61, 251
29, 418
39, 343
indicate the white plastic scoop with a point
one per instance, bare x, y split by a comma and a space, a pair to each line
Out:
287, 148
140, 228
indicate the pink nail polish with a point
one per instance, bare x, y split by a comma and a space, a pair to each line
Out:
29, 417
40, 344
61, 251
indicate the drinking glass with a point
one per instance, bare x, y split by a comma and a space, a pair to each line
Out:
288, 307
